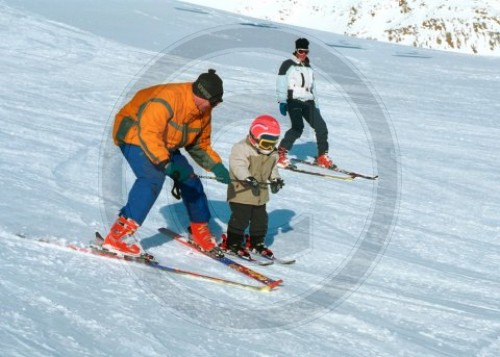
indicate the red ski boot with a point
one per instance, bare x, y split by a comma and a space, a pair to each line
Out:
234, 247
283, 160
258, 246
203, 238
120, 238
324, 161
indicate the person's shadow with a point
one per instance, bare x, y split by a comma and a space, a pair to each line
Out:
304, 149
279, 222
176, 218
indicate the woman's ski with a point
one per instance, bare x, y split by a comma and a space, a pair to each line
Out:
320, 174
350, 174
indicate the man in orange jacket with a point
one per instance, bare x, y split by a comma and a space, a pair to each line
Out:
150, 130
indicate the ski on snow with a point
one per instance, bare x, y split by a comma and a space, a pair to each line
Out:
320, 174
285, 261
271, 283
265, 259
250, 259
95, 250
351, 175
273, 259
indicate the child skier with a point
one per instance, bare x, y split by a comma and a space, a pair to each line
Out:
251, 164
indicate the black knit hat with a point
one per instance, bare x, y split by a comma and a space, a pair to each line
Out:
209, 86
302, 43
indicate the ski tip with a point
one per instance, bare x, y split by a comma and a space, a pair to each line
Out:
355, 176
263, 263
275, 284
286, 262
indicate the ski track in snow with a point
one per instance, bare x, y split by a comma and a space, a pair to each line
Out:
433, 292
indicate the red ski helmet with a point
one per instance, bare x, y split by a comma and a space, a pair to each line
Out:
264, 133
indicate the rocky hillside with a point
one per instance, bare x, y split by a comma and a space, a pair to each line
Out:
464, 26
468, 26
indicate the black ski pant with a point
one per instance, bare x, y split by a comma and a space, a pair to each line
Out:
243, 216
299, 111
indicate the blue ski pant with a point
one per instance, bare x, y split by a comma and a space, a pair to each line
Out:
149, 182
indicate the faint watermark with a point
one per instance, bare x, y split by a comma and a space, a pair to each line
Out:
271, 312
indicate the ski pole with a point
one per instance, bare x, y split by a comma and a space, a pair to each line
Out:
232, 180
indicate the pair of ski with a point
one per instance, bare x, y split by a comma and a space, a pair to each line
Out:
96, 248
268, 282
265, 260
346, 174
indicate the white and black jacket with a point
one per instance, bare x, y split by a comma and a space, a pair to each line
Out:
295, 81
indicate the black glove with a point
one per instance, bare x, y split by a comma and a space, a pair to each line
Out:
276, 185
253, 184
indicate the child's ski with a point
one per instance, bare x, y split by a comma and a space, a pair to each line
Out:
224, 260
275, 259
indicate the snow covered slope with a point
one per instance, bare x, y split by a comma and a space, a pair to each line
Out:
461, 26
429, 287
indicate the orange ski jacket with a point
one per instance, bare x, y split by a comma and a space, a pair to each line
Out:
164, 118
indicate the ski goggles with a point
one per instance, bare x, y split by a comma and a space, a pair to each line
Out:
301, 51
267, 142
